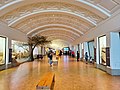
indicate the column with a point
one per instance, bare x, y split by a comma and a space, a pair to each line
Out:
39, 49
8, 51
114, 54
80, 45
86, 48
115, 50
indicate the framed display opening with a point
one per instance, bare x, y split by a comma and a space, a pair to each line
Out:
102, 50
2, 50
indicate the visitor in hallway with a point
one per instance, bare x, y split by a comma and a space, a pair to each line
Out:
73, 54
91, 61
50, 58
57, 54
78, 56
60, 53
86, 57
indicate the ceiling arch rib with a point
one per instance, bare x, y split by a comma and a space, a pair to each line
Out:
30, 26
57, 32
54, 25
63, 30
52, 18
87, 2
92, 5
60, 37
82, 29
6, 3
15, 19
32, 9
57, 35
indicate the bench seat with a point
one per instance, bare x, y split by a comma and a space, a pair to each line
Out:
46, 82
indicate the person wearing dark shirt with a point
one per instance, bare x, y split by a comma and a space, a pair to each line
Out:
86, 57
50, 58
78, 56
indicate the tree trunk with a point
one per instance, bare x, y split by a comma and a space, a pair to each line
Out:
31, 53
31, 56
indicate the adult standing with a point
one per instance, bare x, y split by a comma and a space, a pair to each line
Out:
73, 54
57, 54
86, 57
78, 56
60, 53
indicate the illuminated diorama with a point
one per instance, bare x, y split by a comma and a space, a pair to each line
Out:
20, 50
102, 51
2, 50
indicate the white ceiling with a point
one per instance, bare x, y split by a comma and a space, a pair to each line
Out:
57, 19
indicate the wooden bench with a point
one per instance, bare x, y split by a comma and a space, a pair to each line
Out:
46, 82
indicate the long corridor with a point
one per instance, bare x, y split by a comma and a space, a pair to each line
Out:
69, 75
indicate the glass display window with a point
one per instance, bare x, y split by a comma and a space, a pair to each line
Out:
102, 52
91, 49
20, 50
2, 50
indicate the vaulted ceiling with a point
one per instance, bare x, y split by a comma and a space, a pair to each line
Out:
64, 20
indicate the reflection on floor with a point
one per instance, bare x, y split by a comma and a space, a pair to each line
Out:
70, 75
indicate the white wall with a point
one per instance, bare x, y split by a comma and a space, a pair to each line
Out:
104, 28
111, 24
108, 28
115, 50
12, 33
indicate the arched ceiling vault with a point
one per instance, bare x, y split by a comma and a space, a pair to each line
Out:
58, 33
52, 17
57, 29
54, 26
56, 19
54, 37
58, 44
100, 7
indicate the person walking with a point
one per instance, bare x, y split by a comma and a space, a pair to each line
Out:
73, 54
60, 53
50, 59
86, 57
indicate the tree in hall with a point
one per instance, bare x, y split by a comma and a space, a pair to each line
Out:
34, 41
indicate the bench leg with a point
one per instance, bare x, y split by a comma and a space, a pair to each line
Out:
54, 78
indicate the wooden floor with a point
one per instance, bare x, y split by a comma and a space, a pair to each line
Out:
70, 75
